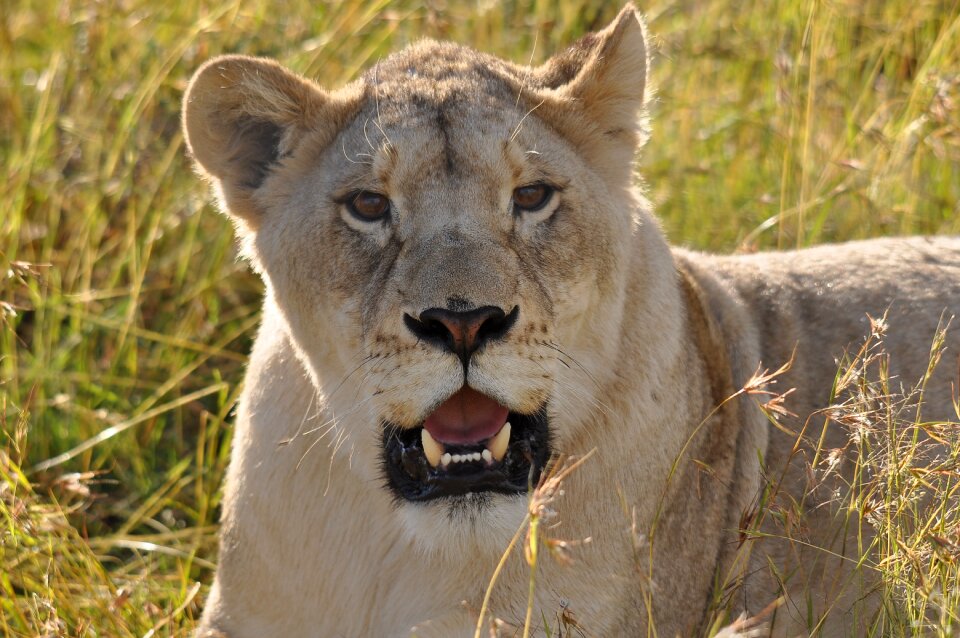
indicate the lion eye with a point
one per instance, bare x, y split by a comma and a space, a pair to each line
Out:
368, 206
531, 198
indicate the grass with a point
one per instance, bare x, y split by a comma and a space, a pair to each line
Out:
125, 316
891, 489
904, 488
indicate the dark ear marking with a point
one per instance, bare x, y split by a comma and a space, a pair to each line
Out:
564, 67
254, 150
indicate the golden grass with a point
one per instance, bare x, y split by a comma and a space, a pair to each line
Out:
125, 317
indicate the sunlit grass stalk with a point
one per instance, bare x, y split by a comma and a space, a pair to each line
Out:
532, 551
485, 605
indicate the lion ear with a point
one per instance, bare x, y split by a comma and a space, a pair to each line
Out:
242, 115
598, 90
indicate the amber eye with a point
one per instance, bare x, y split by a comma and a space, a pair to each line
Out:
368, 206
531, 198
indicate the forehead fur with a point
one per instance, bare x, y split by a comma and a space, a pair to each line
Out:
435, 77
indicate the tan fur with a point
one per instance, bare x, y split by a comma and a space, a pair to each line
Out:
630, 343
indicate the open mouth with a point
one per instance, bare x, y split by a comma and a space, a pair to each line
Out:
469, 444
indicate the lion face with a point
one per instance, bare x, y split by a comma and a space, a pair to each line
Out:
446, 239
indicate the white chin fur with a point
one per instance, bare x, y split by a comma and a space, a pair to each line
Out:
476, 523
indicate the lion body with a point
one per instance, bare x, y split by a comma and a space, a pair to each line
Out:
631, 345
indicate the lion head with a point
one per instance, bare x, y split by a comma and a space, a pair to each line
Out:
448, 240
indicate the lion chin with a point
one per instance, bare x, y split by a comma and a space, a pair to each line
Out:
462, 526
464, 289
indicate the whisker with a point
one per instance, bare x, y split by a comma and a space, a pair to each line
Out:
365, 361
326, 489
312, 445
338, 443
343, 148
367, 137
584, 397
303, 421
536, 38
516, 131
557, 348
376, 97
334, 420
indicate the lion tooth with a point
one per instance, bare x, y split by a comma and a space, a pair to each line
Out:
446, 459
431, 448
487, 456
498, 444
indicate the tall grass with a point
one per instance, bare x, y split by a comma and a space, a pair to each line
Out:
905, 489
893, 493
125, 317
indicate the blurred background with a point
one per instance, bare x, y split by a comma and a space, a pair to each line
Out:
125, 316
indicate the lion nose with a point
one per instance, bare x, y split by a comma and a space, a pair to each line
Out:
462, 333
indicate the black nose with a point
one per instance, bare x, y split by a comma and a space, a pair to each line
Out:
462, 333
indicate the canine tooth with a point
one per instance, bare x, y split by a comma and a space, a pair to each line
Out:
498, 444
486, 455
431, 448
446, 459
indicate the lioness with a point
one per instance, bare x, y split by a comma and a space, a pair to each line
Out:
463, 283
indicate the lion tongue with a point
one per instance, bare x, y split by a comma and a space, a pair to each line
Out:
466, 417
